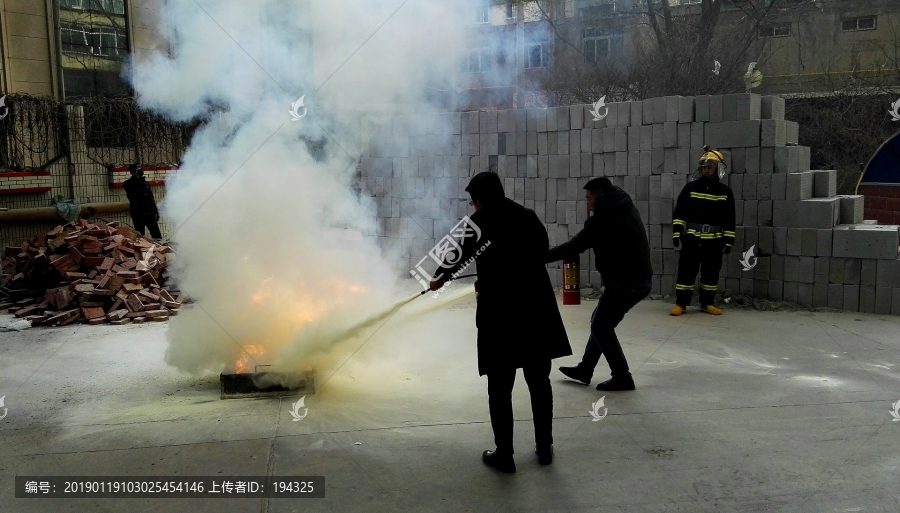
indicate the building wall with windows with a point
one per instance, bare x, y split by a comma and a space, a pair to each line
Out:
808, 46
828, 44
66, 50
74, 48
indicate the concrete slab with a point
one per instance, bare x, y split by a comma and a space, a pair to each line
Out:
772, 107
852, 209
866, 241
802, 398
824, 183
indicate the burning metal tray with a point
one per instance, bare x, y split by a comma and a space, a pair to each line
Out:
265, 384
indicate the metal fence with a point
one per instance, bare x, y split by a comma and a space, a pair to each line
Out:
33, 133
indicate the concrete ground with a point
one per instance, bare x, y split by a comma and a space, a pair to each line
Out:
750, 411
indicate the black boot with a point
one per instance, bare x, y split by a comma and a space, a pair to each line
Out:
617, 384
544, 454
577, 374
502, 462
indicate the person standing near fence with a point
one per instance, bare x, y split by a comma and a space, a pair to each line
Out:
143, 206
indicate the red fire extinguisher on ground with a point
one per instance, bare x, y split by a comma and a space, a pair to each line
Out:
571, 286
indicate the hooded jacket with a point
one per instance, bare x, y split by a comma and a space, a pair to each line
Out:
617, 235
140, 198
705, 201
517, 317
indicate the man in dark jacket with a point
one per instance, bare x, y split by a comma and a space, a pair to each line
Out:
622, 253
703, 223
518, 319
143, 205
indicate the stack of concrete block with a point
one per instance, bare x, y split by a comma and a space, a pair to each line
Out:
415, 169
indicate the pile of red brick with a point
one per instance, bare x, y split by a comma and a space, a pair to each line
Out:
93, 273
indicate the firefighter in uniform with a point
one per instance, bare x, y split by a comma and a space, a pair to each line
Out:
703, 224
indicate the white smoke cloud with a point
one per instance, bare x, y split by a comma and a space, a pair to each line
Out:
272, 243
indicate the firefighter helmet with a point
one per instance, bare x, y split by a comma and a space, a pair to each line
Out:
714, 156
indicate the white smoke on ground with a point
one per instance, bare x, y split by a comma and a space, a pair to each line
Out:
272, 244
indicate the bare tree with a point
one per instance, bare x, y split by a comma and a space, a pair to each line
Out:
849, 119
671, 50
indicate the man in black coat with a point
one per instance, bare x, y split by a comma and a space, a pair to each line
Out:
622, 253
518, 319
142, 204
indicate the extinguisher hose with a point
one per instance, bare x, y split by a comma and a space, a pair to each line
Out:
426, 291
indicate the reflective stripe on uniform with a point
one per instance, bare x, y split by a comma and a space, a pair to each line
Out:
678, 222
678, 286
695, 233
729, 234
711, 197
709, 287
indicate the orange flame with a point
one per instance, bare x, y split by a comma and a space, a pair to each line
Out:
289, 307
242, 365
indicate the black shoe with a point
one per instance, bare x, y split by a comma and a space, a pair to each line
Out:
503, 463
544, 454
576, 374
616, 384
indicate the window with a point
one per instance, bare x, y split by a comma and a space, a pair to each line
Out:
98, 41
481, 14
510, 11
109, 6
93, 38
863, 23
537, 51
775, 30
596, 11
477, 60
599, 43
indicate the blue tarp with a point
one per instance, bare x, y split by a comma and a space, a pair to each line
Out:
885, 165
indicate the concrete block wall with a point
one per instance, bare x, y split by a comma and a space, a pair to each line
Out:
813, 247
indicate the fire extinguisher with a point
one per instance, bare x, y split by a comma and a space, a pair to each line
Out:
571, 286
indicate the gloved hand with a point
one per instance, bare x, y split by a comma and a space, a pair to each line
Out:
726, 250
676, 241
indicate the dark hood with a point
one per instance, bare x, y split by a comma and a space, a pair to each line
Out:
612, 200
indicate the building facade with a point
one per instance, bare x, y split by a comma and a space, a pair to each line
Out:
73, 48
800, 47
57, 139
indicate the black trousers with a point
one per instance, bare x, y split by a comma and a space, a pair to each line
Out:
702, 256
615, 302
150, 223
500, 386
